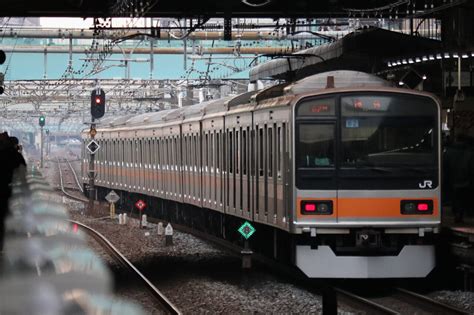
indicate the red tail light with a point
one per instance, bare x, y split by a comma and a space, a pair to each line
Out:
416, 207
319, 207
423, 207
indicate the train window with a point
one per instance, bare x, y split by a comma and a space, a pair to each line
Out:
237, 151
205, 151
244, 151
252, 152
212, 146
388, 131
193, 152
315, 145
260, 152
317, 107
270, 152
279, 152
131, 153
231, 153
218, 153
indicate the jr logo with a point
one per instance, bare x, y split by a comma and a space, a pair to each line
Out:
425, 184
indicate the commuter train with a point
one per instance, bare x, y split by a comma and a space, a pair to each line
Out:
339, 172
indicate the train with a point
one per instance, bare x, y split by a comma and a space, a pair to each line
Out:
339, 172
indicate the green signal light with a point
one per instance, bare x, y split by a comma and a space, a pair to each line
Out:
42, 121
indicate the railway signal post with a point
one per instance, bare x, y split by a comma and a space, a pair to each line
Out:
246, 230
97, 111
42, 122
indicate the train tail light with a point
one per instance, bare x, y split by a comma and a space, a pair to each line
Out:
320, 207
416, 207
423, 207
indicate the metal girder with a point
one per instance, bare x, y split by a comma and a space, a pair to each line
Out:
269, 34
71, 97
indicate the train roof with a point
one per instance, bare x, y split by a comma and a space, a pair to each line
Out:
340, 79
336, 79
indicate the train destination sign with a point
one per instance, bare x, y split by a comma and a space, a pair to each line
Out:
140, 204
246, 230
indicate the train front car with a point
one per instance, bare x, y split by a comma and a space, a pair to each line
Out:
367, 183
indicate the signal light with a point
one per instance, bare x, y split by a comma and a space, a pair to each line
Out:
97, 103
42, 121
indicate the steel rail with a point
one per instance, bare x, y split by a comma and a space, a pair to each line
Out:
427, 303
75, 176
167, 306
362, 303
61, 181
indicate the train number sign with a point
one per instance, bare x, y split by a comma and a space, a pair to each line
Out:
140, 204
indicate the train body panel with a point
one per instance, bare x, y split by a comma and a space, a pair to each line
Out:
344, 171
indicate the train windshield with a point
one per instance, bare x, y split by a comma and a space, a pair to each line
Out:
388, 131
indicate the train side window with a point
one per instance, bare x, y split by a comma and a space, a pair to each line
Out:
178, 152
244, 151
237, 151
131, 153
218, 166
279, 142
205, 157
260, 152
270, 152
231, 153
253, 151
211, 151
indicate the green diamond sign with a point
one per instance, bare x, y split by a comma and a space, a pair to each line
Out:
247, 230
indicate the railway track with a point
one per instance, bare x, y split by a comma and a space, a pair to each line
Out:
61, 181
397, 301
166, 306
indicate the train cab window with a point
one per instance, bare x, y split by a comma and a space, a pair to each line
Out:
386, 130
315, 145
